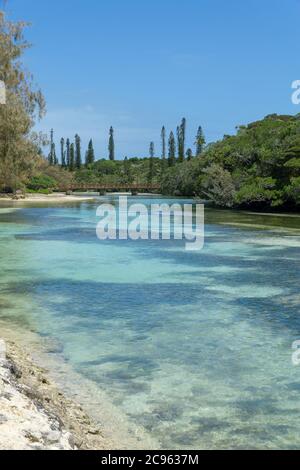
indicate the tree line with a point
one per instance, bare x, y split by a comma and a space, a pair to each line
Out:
172, 151
71, 153
176, 147
257, 168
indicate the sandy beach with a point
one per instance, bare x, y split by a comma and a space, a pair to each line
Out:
34, 414
51, 198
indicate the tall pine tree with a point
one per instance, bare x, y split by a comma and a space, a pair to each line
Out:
181, 132
78, 161
55, 159
72, 157
163, 142
200, 142
62, 152
151, 162
52, 154
90, 154
68, 153
111, 144
172, 150
178, 141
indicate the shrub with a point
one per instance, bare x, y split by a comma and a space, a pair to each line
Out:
41, 182
216, 184
293, 190
260, 191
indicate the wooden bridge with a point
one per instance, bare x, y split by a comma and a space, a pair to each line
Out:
134, 188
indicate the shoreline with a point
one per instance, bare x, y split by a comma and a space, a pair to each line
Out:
57, 198
75, 406
35, 414
63, 198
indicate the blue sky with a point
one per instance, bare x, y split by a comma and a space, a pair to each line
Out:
138, 65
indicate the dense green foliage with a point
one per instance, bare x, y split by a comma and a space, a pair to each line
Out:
41, 182
259, 167
133, 170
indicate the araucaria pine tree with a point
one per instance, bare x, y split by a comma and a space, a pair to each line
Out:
90, 154
50, 161
163, 142
181, 131
111, 144
62, 152
55, 159
77, 152
172, 150
68, 153
151, 162
52, 154
72, 157
200, 142
178, 140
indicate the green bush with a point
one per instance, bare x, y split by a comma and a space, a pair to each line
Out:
41, 182
216, 184
260, 191
40, 191
293, 190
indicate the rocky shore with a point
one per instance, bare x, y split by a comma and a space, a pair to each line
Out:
34, 414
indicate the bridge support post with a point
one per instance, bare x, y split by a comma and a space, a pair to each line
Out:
102, 192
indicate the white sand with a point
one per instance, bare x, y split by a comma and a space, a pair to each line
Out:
56, 197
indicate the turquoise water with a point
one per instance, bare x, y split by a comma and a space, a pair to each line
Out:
194, 347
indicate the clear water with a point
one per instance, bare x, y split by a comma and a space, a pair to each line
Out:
194, 347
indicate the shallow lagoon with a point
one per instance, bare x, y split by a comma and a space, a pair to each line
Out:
194, 347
